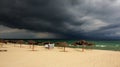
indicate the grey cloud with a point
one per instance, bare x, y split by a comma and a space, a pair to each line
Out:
11, 33
68, 18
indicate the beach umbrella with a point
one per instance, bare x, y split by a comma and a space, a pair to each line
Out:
32, 43
83, 43
57, 44
64, 45
1, 43
5, 41
14, 42
20, 42
76, 43
91, 45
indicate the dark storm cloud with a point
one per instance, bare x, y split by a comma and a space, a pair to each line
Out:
37, 15
68, 18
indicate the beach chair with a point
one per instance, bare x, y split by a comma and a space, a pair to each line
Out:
52, 45
46, 46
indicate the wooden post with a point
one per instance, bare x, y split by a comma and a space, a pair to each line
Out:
14, 44
20, 42
83, 47
83, 42
32, 47
64, 48
32, 43
64, 45
1, 45
20, 45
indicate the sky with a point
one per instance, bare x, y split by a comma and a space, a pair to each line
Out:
60, 19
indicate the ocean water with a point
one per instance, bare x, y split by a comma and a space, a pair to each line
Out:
107, 45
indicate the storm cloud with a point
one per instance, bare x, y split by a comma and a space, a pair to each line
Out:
87, 19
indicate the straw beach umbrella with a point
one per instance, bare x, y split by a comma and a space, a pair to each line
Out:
20, 42
76, 43
64, 45
91, 45
32, 43
14, 42
83, 43
3, 42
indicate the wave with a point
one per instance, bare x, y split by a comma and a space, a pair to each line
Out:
100, 45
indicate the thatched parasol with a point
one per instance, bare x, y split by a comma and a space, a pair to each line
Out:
3, 42
91, 45
64, 45
83, 42
32, 43
14, 42
20, 42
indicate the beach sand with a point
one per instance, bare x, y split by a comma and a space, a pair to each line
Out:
41, 57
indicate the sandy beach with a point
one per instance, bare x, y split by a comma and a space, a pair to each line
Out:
41, 57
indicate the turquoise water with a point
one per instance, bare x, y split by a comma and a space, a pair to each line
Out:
107, 45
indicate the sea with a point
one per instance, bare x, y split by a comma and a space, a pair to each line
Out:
113, 45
